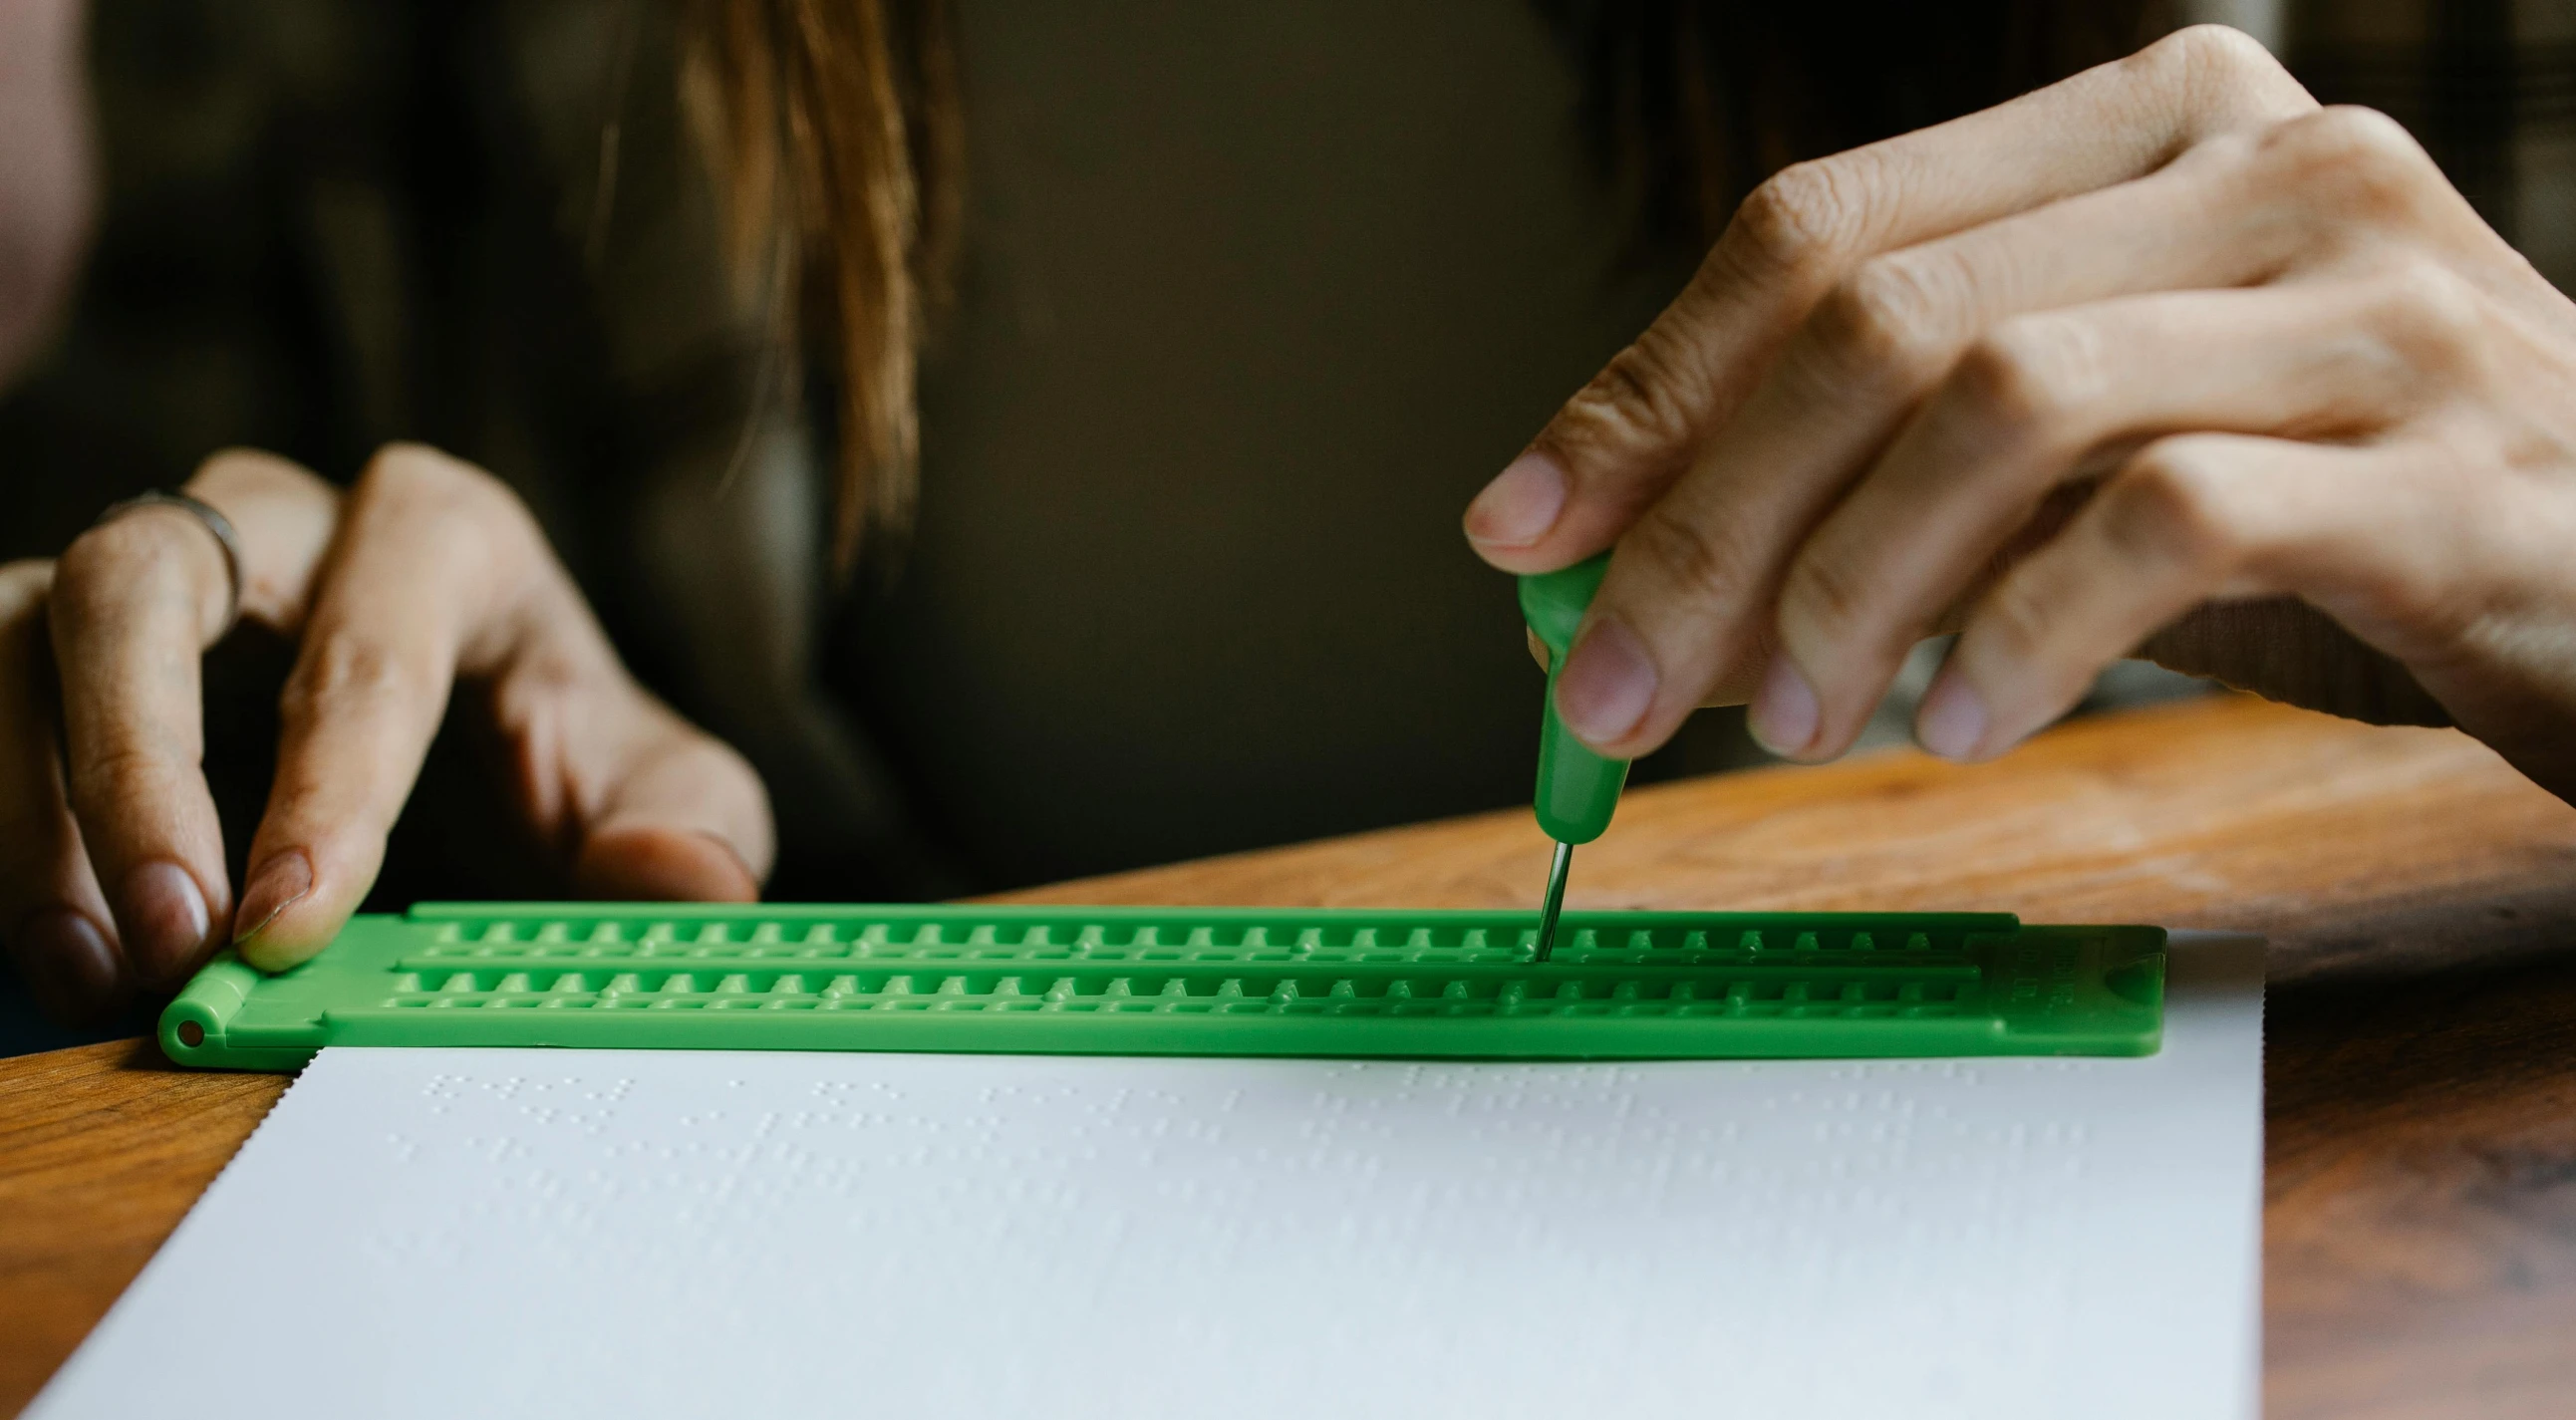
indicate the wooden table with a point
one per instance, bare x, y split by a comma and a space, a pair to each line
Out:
2419, 1242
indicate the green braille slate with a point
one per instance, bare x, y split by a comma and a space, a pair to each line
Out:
1186, 981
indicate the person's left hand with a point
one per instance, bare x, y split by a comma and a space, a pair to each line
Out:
2162, 335
427, 575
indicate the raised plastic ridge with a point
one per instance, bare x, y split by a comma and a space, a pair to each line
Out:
1186, 981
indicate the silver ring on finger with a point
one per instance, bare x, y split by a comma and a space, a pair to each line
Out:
212, 519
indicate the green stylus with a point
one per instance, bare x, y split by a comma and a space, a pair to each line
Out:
1577, 789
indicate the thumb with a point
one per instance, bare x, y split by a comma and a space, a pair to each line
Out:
687, 820
645, 862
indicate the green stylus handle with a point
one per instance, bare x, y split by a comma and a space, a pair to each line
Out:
1577, 789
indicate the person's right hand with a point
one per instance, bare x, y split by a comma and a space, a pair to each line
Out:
2163, 358
426, 571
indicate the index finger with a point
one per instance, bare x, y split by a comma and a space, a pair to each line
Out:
431, 561
1623, 439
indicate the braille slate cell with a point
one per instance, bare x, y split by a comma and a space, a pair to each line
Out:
1186, 981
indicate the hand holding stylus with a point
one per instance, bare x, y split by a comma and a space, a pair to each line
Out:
2162, 337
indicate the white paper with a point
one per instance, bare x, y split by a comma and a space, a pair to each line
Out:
443, 1233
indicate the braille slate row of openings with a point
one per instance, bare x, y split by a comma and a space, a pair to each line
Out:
1178, 942
1175, 994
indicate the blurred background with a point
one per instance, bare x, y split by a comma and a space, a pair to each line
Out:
1252, 300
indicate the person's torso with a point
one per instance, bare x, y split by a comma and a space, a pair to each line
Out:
1255, 298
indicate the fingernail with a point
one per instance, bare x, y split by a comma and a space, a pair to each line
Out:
162, 917
1520, 505
69, 970
1951, 721
279, 884
1783, 714
1606, 686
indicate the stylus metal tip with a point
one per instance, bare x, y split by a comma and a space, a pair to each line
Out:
1555, 902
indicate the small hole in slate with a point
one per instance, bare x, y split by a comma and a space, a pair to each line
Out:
191, 1034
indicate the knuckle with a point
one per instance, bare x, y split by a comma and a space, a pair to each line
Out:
1701, 561
420, 478
2358, 161
2014, 618
446, 503
1827, 595
2442, 610
2027, 377
2359, 136
2221, 71
2214, 54
115, 548
2432, 313
2169, 508
254, 468
128, 768
139, 555
2226, 153
1882, 321
339, 672
550, 671
1799, 221
1649, 394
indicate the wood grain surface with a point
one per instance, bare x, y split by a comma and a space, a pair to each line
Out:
102, 1150
2420, 1186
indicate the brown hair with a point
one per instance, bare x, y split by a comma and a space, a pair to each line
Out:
832, 128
